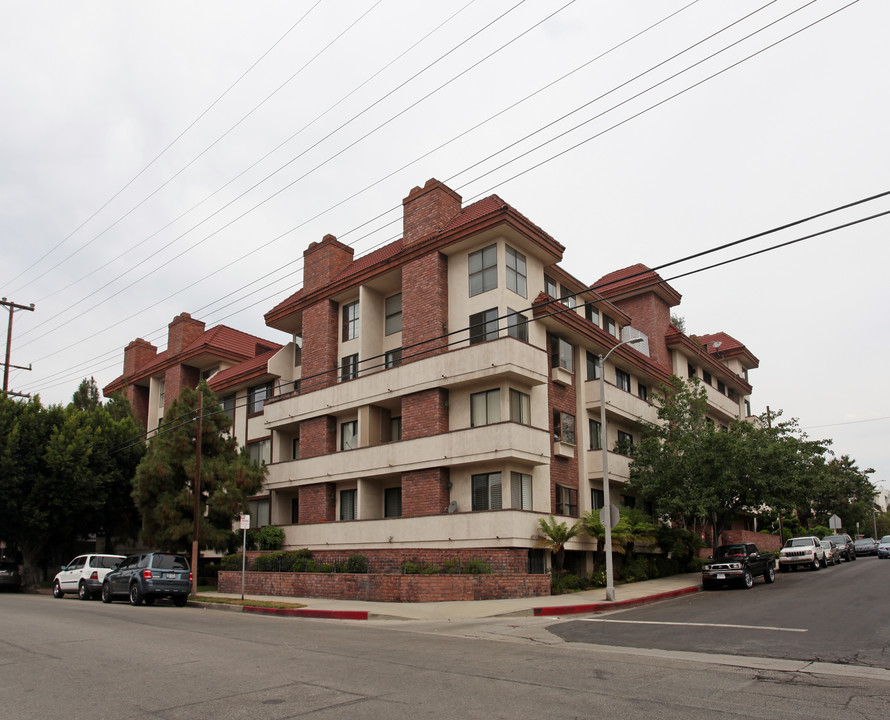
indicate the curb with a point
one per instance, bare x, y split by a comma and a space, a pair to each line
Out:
309, 613
606, 606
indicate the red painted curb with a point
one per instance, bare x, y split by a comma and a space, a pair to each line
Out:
309, 613
604, 606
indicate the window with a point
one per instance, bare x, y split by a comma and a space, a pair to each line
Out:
260, 451
517, 325
516, 272
706, 376
561, 354
228, 406
609, 325
520, 407
593, 366
350, 321
484, 326
550, 286
349, 435
295, 510
347, 504
393, 310
690, 369
395, 429
392, 502
622, 379
259, 513
597, 499
591, 313
747, 408
487, 491
566, 501
161, 392
295, 448
721, 387
733, 395
520, 491
349, 367
596, 435
256, 398
485, 408
642, 392
566, 296
563, 427
625, 443
483, 270
393, 358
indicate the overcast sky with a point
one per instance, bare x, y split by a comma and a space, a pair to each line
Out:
161, 157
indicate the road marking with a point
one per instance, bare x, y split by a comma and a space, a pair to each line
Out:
687, 624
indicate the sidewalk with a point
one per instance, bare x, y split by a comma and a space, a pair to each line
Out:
589, 601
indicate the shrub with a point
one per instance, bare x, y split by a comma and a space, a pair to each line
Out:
269, 537
414, 568
271, 562
357, 564
230, 562
325, 568
475, 566
304, 564
451, 566
636, 568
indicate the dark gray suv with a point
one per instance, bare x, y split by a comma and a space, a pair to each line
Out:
145, 577
845, 544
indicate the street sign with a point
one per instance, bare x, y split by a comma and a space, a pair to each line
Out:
834, 522
245, 522
614, 516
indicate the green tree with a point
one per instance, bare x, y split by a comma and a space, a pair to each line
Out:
634, 527
554, 536
86, 397
163, 487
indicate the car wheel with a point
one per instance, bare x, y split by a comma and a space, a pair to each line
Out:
82, 591
816, 564
135, 595
106, 593
851, 556
747, 580
57, 590
824, 561
148, 600
181, 600
770, 575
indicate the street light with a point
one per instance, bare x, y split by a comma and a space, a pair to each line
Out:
607, 502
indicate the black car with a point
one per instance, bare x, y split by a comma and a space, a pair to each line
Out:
866, 546
145, 577
845, 544
738, 564
10, 575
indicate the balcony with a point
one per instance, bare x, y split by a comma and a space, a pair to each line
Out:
619, 403
619, 466
460, 447
506, 357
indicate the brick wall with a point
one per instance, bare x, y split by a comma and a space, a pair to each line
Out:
176, 379
318, 503
137, 355
182, 332
323, 261
764, 542
320, 343
318, 436
138, 397
425, 492
424, 414
651, 315
387, 588
427, 210
424, 307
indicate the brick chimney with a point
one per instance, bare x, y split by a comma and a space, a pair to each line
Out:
182, 332
427, 210
137, 355
323, 261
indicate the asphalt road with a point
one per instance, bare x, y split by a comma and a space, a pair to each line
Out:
839, 614
74, 659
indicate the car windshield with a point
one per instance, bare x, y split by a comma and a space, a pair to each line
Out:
799, 542
864, 541
836, 539
730, 550
885, 539
826, 544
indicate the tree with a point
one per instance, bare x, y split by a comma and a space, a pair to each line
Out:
634, 527
86, 397
163, 487
554, 536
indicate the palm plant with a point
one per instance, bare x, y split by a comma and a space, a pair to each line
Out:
554, 536
637, 527
592, 525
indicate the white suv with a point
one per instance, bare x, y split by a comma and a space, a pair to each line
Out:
802, 552
84, 575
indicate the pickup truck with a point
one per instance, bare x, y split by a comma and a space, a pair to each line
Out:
738, 563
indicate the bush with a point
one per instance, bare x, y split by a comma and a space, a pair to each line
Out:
230, 562
271, 562
475, 566
325, 568
269, 538
415, 568
357, 564
635, 569
304, 564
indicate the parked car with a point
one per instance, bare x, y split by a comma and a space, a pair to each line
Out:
10, 575
832, 552
845, 545
866, 546
145, 577
804, 551
84, 575
884, 547
738, 563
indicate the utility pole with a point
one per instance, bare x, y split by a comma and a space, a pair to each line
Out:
197, 489
12, 307
769, 424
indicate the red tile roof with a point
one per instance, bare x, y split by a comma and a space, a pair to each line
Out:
253, 368
635, 277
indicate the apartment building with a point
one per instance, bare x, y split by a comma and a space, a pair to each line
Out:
442, 394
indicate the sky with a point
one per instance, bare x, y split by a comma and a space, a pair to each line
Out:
161, 157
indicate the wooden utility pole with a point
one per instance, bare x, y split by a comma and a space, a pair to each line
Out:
12, 307
197, 490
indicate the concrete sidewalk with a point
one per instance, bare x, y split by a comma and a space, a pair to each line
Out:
589, 601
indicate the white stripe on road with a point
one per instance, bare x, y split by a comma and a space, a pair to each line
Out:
685, 624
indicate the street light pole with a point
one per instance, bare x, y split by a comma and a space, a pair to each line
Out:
607, 500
